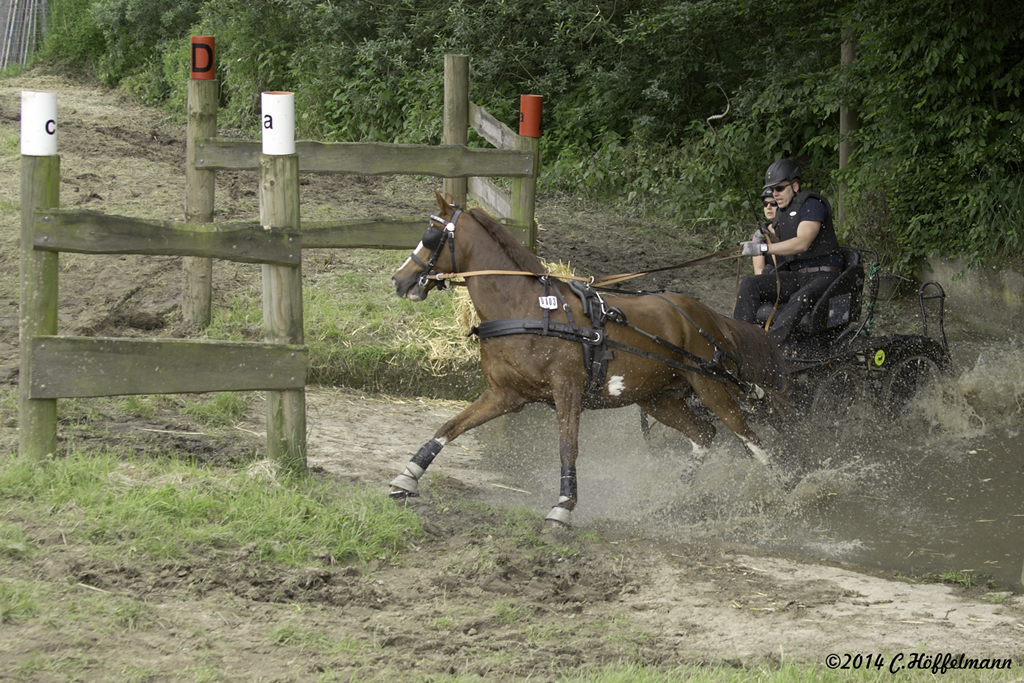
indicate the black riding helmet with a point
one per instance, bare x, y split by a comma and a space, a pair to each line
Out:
781, 171
766, 193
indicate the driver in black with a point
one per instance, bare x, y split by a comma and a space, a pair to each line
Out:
805, 250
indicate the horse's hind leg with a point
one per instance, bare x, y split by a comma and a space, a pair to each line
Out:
490, 405
715, 395
671, 409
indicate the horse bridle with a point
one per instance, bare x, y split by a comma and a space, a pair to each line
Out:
434, 239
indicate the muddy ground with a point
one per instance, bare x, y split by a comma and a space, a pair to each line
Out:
618, 594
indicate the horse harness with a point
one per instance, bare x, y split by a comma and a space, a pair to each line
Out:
598, 348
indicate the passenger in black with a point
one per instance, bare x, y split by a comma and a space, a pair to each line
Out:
765, 232
805, 251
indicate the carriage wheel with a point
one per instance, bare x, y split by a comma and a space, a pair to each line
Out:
835, 396
904, 380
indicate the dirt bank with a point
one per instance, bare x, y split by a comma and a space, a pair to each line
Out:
471, 598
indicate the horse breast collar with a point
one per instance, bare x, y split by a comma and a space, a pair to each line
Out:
595, 355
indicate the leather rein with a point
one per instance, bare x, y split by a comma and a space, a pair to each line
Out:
608, 280
435, 239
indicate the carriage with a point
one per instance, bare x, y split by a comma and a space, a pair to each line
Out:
835, 360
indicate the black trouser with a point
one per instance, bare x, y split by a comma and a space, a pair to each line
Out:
797, 293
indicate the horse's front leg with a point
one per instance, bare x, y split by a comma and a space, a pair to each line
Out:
490, 405
568, 410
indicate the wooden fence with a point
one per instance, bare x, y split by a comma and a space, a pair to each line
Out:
54, 367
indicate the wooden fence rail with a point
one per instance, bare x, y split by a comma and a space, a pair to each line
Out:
371, 158
55, 367
91, 232
78, 367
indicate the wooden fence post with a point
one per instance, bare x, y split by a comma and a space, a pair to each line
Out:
524, 190
456, 116
197, 293
282, 285
40, 189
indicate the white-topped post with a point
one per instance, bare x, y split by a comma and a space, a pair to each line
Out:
40, 190
278, 122
282, 285
38, 123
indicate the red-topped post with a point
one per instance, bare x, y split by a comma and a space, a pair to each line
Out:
203, 90
524, 190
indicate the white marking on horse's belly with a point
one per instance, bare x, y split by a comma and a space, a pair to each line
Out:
616, 385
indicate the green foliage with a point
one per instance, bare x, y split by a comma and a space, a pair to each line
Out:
955, 576
940, 146
136, 31
670, 107
73, 38
255, 41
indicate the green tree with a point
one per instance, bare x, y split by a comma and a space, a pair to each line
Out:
73, 39
136, 31
674, 107
940, 86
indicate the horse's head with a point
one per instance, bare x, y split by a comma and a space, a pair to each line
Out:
435, 253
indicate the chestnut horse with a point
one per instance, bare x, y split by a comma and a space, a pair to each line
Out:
669, 346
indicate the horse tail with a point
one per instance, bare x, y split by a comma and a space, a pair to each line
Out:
763, 361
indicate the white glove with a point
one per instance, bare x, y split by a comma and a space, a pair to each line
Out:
759, 237
752, 249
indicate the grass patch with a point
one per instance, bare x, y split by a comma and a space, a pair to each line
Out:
221, 409
10, 145
167, 509
17, 601
13, 543
361, 335
954, 576
140, 406
292, 634
508, 612
787, 672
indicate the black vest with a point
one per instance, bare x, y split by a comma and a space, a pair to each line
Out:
787, 220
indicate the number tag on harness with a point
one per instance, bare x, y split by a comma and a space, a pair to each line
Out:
549, 302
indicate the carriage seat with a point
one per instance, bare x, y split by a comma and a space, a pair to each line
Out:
838, 306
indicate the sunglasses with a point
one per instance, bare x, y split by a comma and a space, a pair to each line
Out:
771, 203
779, 188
